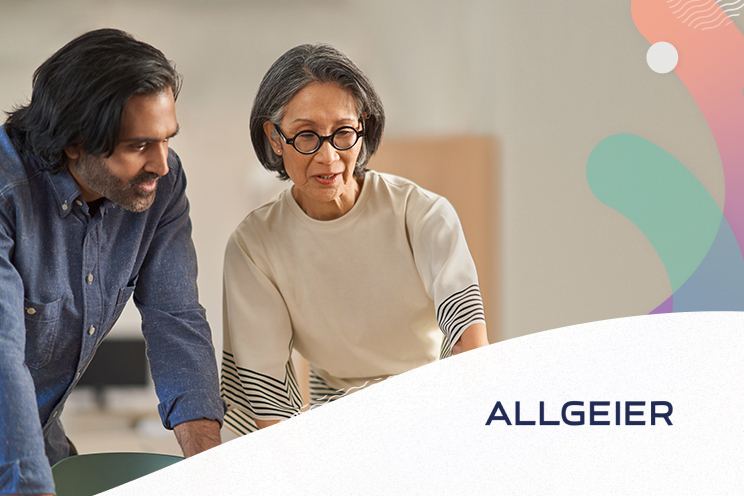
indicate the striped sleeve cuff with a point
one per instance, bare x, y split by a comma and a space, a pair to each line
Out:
457, 313
320, 392
252, 395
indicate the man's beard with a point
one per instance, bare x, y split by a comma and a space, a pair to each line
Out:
93, 171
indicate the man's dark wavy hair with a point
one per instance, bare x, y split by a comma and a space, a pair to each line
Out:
79, 95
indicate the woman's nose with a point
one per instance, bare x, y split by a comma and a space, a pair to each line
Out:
326, 154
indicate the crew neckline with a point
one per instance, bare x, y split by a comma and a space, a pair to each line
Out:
348, 217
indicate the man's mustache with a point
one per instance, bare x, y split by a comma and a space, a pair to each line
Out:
143, 177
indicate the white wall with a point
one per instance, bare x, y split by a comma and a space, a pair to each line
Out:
550, 79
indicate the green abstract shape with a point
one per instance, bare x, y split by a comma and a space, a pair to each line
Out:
660, 196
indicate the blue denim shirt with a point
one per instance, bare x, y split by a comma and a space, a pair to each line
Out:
65, 277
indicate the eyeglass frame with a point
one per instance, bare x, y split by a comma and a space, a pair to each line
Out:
321, 139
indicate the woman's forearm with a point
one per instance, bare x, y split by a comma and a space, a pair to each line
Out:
473, 337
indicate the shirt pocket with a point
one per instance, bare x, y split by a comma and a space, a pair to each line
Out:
122, 298
42, 323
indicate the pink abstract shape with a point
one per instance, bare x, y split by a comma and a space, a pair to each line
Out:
711, 66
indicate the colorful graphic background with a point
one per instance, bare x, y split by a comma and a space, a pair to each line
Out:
700, 246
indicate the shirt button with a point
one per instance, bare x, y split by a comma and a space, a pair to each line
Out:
90, 278
30, 311
64, 206
80, 204
91, 330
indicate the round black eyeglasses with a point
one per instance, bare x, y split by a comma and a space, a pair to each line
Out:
307, 142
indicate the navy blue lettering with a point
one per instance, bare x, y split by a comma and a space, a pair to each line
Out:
503, 416
542, 416
594, 413
580, 414
629, 412
523, 422
597, 410
665, 416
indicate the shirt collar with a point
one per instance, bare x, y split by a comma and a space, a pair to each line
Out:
66, 191
65, 188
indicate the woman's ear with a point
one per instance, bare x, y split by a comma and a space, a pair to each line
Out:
270, 132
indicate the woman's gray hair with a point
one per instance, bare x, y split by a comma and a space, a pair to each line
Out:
298, 67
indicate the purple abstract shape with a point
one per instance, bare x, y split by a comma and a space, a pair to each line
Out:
666, 307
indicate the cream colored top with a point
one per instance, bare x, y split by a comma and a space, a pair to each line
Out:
361, 297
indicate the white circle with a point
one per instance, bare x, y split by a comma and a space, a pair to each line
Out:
662, 57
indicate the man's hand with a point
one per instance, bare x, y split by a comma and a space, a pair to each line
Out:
473, 337
196, 436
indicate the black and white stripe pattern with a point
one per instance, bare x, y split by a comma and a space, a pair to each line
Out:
457, 313
320, 392
252, 394
239, 422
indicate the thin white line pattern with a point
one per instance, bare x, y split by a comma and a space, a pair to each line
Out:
321, 393
705, 14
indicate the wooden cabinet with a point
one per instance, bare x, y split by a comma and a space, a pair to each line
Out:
463, 169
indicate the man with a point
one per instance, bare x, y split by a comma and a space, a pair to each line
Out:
92, 210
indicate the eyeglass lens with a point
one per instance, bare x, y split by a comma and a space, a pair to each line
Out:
343, 139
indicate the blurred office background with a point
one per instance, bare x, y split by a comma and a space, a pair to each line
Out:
546, 81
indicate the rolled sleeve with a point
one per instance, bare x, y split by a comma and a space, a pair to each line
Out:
26, 476
192, 405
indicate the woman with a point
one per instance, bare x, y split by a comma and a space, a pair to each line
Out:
358, 270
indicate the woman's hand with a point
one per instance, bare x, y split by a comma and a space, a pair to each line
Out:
262, 424
473, 337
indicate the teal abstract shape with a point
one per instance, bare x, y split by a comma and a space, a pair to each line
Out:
660, 196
